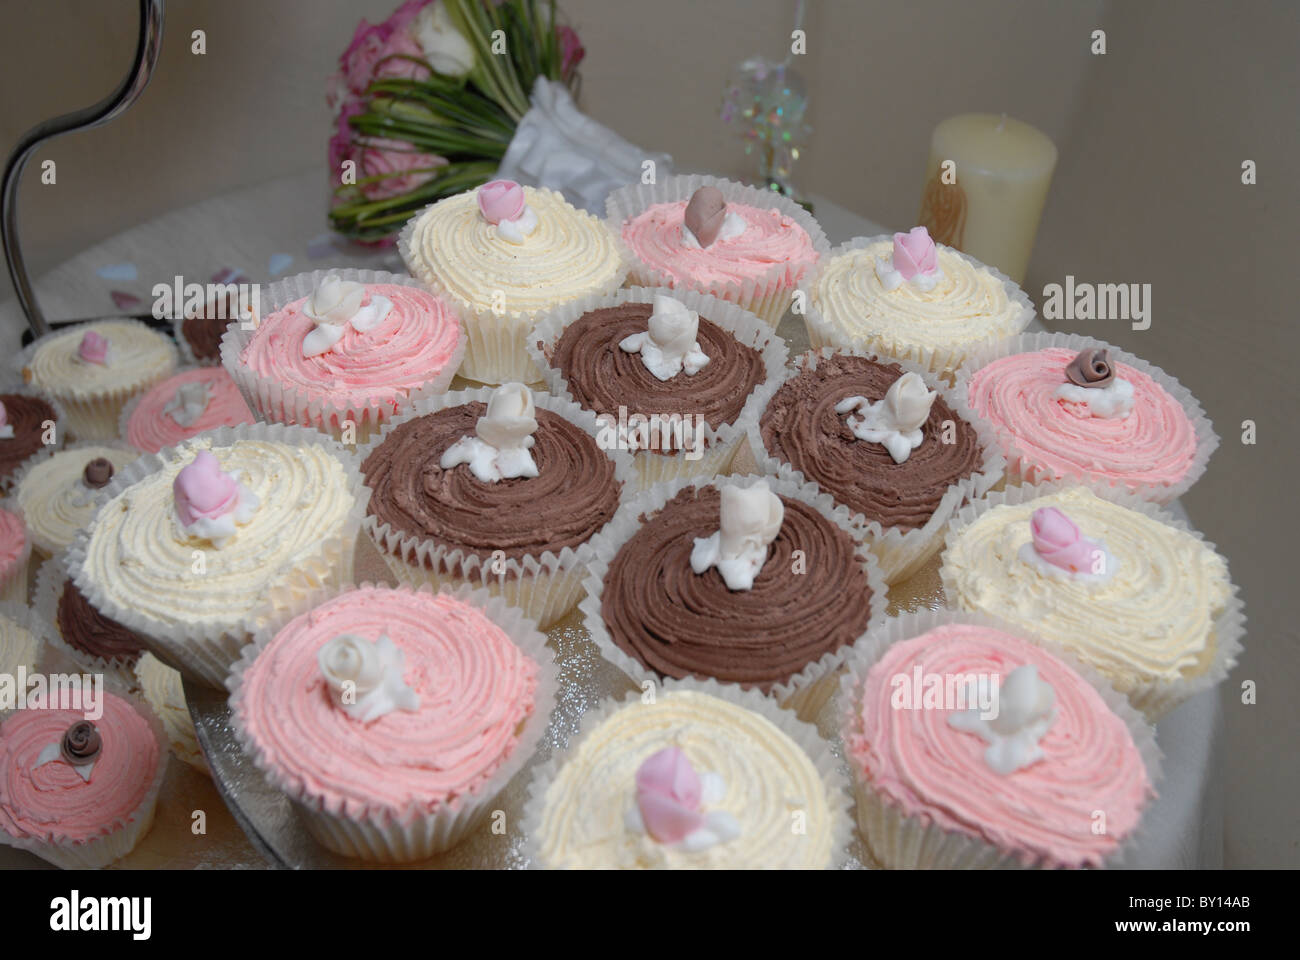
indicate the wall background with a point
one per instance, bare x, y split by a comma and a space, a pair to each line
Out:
1148, 190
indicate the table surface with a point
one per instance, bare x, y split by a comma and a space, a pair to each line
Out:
279, 228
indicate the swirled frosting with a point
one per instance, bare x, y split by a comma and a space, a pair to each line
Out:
1042, 813
411, 345
139, 556
574, 494
801, 427
602, 377
86, 629
137, 354
680, 624
968, 304
570, 254
18, 647
1153, 445
25, 414
475, 686
152, 427
52, 801
161, 688
55, 499
768, 777
204, 329
13, 540
770, 239
1154, 620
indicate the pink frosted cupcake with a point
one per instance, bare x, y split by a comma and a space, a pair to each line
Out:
343, 346
189, 403
15, 552
737, 243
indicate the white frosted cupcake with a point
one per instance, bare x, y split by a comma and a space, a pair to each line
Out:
693, 776
23, 638
161, 688
56, 493
93, 369
504, 254
197, 546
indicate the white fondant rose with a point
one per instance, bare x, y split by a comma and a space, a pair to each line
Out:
505, 434
334, 300
1023, 712
349, 659
668, 345
750, 519
896, 421
365, 678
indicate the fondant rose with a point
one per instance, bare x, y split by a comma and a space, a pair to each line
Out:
668, 793
93, 348
1058, 541
907, 403
203, 490
1024, 712
81, 743
97, 473
915, 252
511, 417
1091, 368
705, 213
673, 326
751, 518
349, 658
334, 300
500, 200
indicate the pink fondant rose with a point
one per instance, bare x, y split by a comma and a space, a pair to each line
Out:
668, 794
500, 200
1058, 541
914, 252
93, 348
203, 491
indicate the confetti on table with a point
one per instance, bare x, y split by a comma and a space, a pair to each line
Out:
124, 301
278, 264
123, 272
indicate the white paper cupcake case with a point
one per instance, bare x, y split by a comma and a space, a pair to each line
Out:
496, 350
805, 692
125, 833
389, 835
95, 416
545, 587
275, 402
900, 841
179, 730
804, 734
1154, 697
942, 360
900, 552
49, 588
205, 651
1020, 466
31, 621
9, 483
720, 443
767, 296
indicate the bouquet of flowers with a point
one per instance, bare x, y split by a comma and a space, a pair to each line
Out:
428, 101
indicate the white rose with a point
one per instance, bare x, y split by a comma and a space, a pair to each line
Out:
672, 326
448, 51
511, 417
907, 403
349, 658
751, 518
334, 301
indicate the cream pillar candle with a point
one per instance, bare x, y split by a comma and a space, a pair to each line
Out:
985, 187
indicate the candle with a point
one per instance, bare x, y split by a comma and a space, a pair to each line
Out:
985, 187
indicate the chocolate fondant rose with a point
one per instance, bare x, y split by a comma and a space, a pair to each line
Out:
81, 743
97, 473
1091, 368
705, 213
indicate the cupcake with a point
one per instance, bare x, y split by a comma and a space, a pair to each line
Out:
345, 346
196, 547
89, 639
199, 332
698, 777
497, 489
93, 369
503, 254
972, 747
1070, 407
670, 371
1121, 585
430, 704
23, 636
909, 298
56, 494
758, 582
15, 552
76, 791
29, 425
189, 403
884, 440
742, 244
161, 688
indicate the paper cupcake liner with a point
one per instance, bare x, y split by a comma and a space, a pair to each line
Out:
94, 415
900, 552
942, 360
13, 581
275, 402
45, 598
544, 586
768, 295
9, 482
124, 833
805, 692
387, 834
205, 651
31, 621
496, 350
1154, 697
159, 683
901, 841
1021, 469
803, 733
721, 442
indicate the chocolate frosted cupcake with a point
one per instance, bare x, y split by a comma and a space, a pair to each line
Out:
93, 641
496, 488
758, 582
28, 420
199, 333
670, 371
884, 440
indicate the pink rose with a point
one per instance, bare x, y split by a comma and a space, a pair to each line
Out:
668, 793
1058, 541
93, 348
393, 61
341, 146
571, 50
365, 50
402, 167
914, 252
501, 200
405, 15
202, 489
